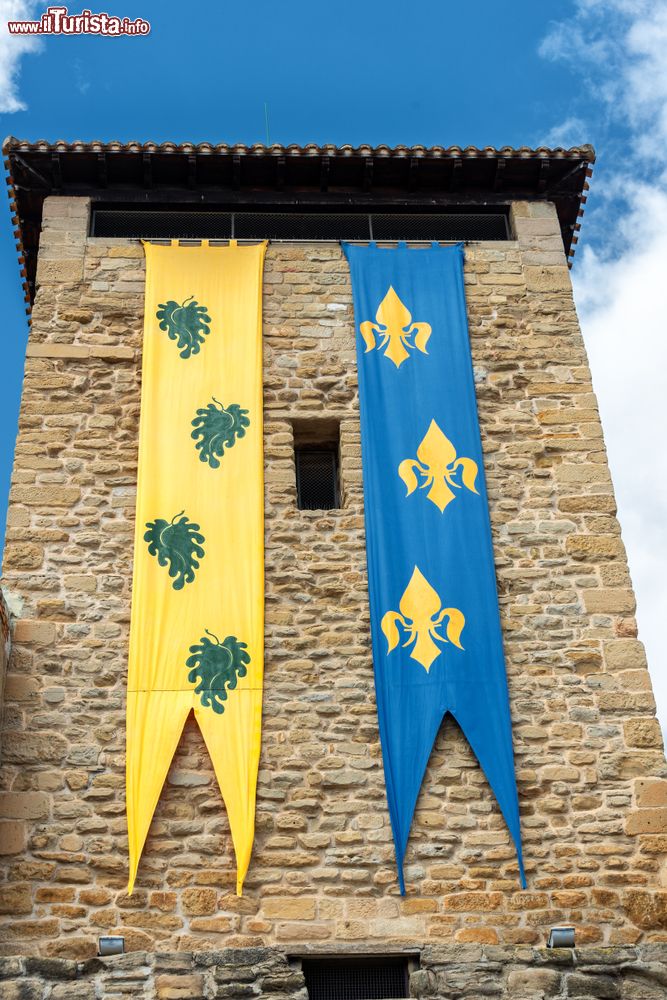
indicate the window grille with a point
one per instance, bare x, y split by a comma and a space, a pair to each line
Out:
316, 478
356, 979
167, 223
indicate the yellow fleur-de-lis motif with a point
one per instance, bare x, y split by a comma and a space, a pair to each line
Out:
395, 329
421, 615
437, 465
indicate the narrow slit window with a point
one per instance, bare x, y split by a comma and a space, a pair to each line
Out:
316, 462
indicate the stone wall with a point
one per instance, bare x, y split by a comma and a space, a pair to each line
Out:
590, 764
447, 972
5, 646
233, 975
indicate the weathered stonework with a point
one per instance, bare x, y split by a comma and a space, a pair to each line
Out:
590, 764
442, 971
232, 974
5, 646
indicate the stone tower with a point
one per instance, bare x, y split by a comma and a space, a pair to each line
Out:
589, 756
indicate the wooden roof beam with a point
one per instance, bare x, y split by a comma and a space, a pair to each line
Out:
368, 173
325, 167
102, 177
499, 174
147, 170
413, 174
192, 171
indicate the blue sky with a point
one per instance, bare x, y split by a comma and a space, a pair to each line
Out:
433, 73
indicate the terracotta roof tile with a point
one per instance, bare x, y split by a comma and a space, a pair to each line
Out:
12, 144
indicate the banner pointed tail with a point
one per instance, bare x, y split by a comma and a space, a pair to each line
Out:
405, 758
197, 628
437, 644
493, 750
154, 719
237, 784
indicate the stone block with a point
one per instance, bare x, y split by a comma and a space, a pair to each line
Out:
569, 415
560, 772
582, 473
23, 555
477, 935
547, 279
51, 968
528, 900
651, 793
31, 631
588, 504
22, 989
644, 732
11, 967
60, 271
185, 987
34, 747
82, 351
289, 907
24, 805
54, 894
473, 902
16, 898
597, 986
624, 654
520, 210
310, 930
46, 496
533, 983
532, 229
74, 315
609, 600
28, 931
544, 255
12, 837
199, 902
647, 910
593, 547
646, 821
19, 687
63, 207
130, 252
73, 991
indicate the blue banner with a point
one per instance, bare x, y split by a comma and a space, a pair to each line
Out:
437, 643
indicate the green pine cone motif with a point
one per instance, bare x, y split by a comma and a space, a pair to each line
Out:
217, 666
177, 542
187, 323
217, 426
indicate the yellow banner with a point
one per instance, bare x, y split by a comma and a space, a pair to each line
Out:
197, 631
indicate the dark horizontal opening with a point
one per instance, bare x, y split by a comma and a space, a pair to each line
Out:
356, 979
133, 223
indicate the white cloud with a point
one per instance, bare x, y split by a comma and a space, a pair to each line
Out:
622, 305
12, 49
620, 280
570, 132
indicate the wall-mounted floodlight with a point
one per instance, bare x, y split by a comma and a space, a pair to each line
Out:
110, 946
561, 937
